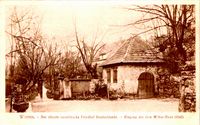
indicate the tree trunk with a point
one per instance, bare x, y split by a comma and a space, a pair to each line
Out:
40, 89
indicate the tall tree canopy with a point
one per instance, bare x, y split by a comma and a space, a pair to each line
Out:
177, 42
88, 52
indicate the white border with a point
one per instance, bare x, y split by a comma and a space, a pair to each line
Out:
7, 118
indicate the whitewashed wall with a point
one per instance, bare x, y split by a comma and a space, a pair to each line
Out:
128, 75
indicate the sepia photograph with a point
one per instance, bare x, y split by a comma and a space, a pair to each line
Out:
100, 57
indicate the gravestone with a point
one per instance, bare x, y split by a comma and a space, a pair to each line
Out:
44, 95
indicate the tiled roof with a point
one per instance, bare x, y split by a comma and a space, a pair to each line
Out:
133, 50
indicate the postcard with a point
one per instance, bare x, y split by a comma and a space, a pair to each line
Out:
100, 62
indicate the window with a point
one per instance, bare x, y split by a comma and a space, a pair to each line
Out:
108, 75
102, 56
115, 75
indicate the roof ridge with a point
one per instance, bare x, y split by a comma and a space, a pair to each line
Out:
128, 49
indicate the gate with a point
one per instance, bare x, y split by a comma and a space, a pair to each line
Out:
146, 85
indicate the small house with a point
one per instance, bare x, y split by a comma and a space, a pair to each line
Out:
132, 69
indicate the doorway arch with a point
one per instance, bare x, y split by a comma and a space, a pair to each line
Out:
146, 85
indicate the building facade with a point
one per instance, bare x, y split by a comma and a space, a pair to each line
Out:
133, 69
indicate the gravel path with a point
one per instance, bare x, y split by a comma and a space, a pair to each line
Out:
137, 105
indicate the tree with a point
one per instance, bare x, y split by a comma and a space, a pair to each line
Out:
88, 53
70, 65
177, 21
178, 43
28, 46
66, 64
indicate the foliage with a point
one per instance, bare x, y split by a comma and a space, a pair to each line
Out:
101, 90
35, 58
70, 65
27, 53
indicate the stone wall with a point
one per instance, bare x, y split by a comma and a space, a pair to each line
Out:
168, 85
180, 86
187, 101
81, 86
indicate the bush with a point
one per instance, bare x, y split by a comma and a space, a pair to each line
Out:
49, 94
31, 95
101, 90
56, 95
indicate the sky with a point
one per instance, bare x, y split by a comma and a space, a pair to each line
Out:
91, 19
102, 19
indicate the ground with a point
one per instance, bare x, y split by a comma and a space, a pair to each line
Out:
137, 105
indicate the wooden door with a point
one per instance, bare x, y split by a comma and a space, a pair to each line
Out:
146, 85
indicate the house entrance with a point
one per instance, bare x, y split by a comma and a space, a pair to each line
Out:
146, 85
